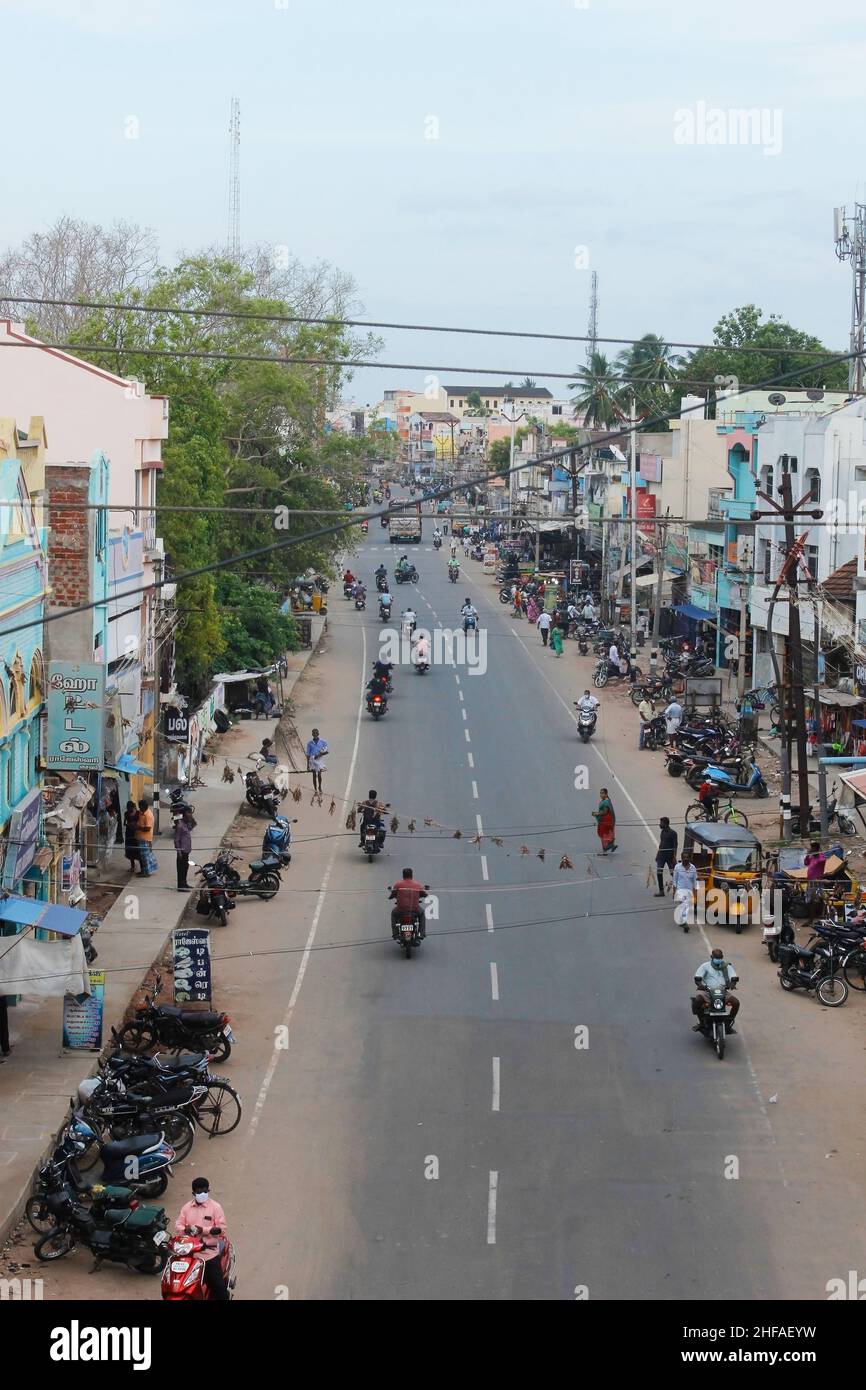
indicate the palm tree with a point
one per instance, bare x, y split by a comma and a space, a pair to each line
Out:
527, 384
651, 359
595, 400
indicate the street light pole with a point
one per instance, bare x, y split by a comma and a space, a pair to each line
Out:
633, 532
512, 418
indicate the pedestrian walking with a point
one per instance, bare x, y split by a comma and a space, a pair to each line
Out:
183, 828
605, 819
666, 853
673, 719
556, 640
317, 749
543, 623
145, 838
685, 881
130, 837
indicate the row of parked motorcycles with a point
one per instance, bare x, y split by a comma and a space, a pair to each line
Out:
131, 1124
222, 883
709, 748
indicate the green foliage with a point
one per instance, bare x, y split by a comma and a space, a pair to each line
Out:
499, 455
255, 632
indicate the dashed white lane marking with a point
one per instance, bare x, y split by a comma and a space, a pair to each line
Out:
466, 735
491, 1207
488, 913
494, 982
484, 874
456, 677
474, 791
470, 760
495, 1099
477, 822
463, 712
461, 697
314, 925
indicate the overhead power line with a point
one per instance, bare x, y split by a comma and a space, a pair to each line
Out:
241, 314
289, 542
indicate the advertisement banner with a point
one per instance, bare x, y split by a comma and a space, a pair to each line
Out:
83, 1015
75, 700
646, 504
650, 467
191, 963
22, 836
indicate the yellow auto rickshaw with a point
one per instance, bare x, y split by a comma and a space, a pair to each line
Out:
728, 861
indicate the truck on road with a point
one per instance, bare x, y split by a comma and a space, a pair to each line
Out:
405, 527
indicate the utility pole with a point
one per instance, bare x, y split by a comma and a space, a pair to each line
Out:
661, 554
792, 695
512, 490
633, 531
233, 243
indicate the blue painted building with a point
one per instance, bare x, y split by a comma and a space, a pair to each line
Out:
735, 578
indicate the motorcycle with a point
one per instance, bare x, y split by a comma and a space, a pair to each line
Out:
586, 722
134, 1236
377, 705
453, 573
604, 673
655, 734
697, 767
835, 812
176, 1028
183, 1279
263, 881
437, 542
754, 784
374, 837
261, 796
470, 622
348, 588
713, 1021
422, 667
213, 900
360, 603
652, 690
365, 526
141, 1161
410, 929
382, 583
813, 969
389, 684
774, 935
384, 610
121, 1108
407, 576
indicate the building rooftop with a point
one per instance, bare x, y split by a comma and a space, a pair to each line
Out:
536, 392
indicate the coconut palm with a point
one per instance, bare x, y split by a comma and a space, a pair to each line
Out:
596, 398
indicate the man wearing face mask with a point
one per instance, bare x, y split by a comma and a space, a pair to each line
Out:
715, 973
203, 1214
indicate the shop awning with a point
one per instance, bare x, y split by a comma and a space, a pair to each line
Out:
856, 780
690, 610
125, 762
30, 912
835, 697
646, 579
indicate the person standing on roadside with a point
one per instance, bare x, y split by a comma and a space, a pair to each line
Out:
685, 880
666, 853
543, 622
130, 837
673, 719
183, 828
145, 838
317, 749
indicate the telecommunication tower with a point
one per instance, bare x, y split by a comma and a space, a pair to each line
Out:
592, 326
849, 231
233, 242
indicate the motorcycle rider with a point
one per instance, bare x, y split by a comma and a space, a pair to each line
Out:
422, 651
708, 797
453, 567
360, 592
382, 670
437, 534
453, 548
613, 658
588, 703
384, 599
715, 973
467, 613
202, 1214
410, 620
404, 565
377, 685
381, 573
348, 581
408, 894
371, 814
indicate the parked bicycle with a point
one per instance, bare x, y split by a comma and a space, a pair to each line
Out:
731, 814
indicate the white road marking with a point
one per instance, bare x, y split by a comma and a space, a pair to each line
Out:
495, 1101
463, 712
461, 697
491, 1207
456, 677
466, 735
320, 902
484, 874
474, 791
471, 760
488, 913
478, 823
494, 981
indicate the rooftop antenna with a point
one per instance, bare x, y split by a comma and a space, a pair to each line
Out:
592, 326
233, 241
849, 233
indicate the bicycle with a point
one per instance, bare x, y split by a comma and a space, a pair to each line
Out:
732, 814
760, 697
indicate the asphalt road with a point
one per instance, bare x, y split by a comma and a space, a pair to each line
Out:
433, 1130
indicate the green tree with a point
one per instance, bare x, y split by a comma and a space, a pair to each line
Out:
597, 397
255, 631
499, 455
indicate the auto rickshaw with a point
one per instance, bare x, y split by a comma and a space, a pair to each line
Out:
728, 861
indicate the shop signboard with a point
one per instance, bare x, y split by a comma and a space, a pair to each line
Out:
83, 1016
75, 701
22, 837
191, 964
177, 725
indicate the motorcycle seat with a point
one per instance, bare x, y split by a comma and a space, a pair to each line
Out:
184, 1061
143, 1094
118, 1149
190, 1018
115, 1216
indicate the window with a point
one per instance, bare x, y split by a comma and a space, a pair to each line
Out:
556, 410
768, 561
812, 560
451, 402
813, 478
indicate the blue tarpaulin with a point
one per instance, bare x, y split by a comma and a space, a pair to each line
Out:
689, 610
127, 763
30, 912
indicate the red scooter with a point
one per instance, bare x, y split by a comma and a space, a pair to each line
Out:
183, 1278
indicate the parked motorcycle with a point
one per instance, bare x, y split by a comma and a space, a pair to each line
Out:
277, 839
120, 1109
377, 705
263, 880
505, 594
183, 1279
713, 1021
655, 734
652, 690
774, 935
605, 673
261, 796
213, 900
752, 783
134, 1236
176, 1028
141, 1161
814, 970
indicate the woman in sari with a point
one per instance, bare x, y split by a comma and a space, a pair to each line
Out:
605, 820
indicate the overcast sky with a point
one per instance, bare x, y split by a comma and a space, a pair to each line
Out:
561, 137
